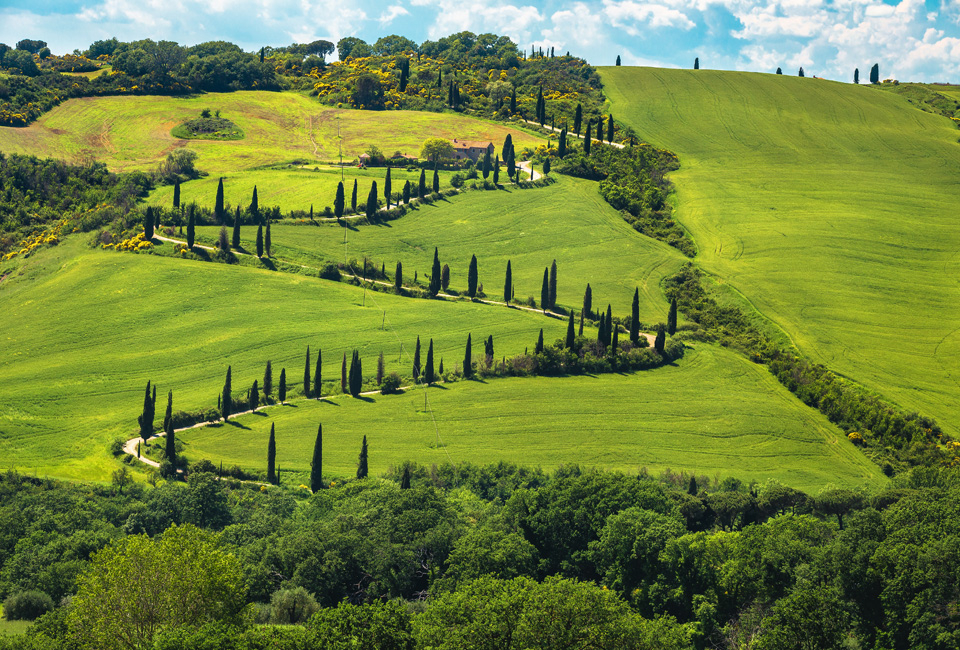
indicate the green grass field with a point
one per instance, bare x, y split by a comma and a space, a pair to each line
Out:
567, 221
84, 330
129, 133
291, 189
830, 206
614, 421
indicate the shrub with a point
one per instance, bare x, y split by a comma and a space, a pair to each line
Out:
27, 606
291, 606
391, 384
456, 180
330, 272
116, 447
204, 466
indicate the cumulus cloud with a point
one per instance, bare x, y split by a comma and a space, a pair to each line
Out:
392, 12
635, 17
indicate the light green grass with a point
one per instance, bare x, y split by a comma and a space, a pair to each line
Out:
129, 133
677, 417
831, 207
83, 331
291, 189
14, 628
568, 222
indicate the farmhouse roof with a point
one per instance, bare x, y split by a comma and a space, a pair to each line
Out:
470, 144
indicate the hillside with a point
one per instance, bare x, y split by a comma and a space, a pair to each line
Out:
830, 207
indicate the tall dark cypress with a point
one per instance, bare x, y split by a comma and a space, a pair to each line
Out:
317, 385
254, 400
610, 326
580, 331
588, 302
487, 164
508, 284
405, 478
507, 146
618, 60
306, 374
436, 180
343, 375
168, 414
610, 128
545, 290
362, 461
435, 273
282, 388
428, 375
571, 337
170, 447
380, 369
339, 202
218, 214
635, 317
472, 277
553, 285
416, 362
356, 375
372, 201
602, 329
267, 242
255, 205
672, 318
875, 73
488, 351
404, 75
149, 219
496, 170
353, 197
226, 405
422, 185
562, 145
235, 241
856, 75
176, 194
260, 240
539, 347
445, 277
696, 63
316, 465
387, 188
468, 358
146, 417
586, 139
398, 277
268, 380
191, 229
406, 192
578, 119
615, 340
660, 341
272, 456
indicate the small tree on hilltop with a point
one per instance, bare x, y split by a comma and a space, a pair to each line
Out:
875, 73
696, 63
779, 71
316, 465
618, 60
856, 75
472, 277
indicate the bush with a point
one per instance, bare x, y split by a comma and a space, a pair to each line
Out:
391, 384
27, 606
291, 606
456, 180
330, 272
116, 447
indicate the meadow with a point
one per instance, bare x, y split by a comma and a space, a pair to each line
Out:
85, 329
677, 417
831, 207
133, 133
568, 222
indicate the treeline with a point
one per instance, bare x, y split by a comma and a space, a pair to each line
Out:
446, 557
894, 439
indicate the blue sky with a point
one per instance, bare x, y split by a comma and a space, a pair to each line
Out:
912, 40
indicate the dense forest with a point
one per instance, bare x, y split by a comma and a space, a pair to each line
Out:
482, 557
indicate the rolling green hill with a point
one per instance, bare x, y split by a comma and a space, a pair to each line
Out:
129, 133
831, 207
677, 417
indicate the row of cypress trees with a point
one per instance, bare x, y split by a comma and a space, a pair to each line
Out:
316, 463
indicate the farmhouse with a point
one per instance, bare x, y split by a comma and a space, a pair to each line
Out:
470, 149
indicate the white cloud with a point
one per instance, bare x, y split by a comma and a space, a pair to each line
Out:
634, 17
392, 13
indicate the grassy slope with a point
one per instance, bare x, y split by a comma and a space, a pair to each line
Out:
613, 421
130, 133
84, 330
568, 221
831, 206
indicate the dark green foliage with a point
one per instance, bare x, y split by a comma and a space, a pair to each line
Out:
149, 219
428, 374
545, 290
468, 358
267, 242
176, 194
191, 229
356, 375
317, 383
659, 342
255, 205
856, 75
553, 285
226, 402
445, 277
169, 412
416, 362
259, 241
306, 374
268, 380
618, 60
436, 181
615, 339
282, 388
587, 138
380, 369
672, 317
272, 456
779, 71
362, 460
800, 74
580, 330
610, 325
588, 302
546, 167
372, 205
472, 277
538, 349
578, 119
398, 277
435, 273
235, 241
488, 353
696, 63
253, 402
170, 441
339, 201
875, 73
571, 336
609, 128
692, 489
508, 284
27, 605
406, 192
602, 329
405, 479
353, 197
316, 465
218, 211
487, 165
496, 170
387, 188
422, 184
145, 419
344, 387
635, 317
562, 143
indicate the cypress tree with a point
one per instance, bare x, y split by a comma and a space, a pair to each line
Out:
696, 63
317, 385
779, 71
545, 290
472, 278
146, 417
507, 146
800, 74
468, 359
235, 242
511, 165
406, 192
508, 284
562, 145
428, 376
553, 285
362, 462
268, 380
353, 197
267, 242
440, 369
380, 369
610, 326
148, 222
254, 401
875, 73
580, 331
416, 362
169, 412
487, 164
261, 53
387, 188
218, 213
672, 318
272, 456
316, 465
171, 441
445, 277
610, 128
422, 186
260, 240
176, 194
601, 329
488, 350
577, 119
191, 229
586, 139
635, 317
306, 374
227, 401
405, 479
618, 60
450, 94
615, 342
546, 168
343, 374
398, 277
539, 347
496, 170
372, 201
856, 80
661, 339
513, 102
255, 205
339, 202
435, 274
356, 375
588, 302
436, 180
282, 388
693, 488
570, 332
